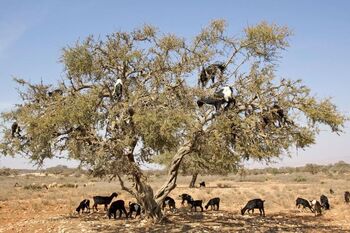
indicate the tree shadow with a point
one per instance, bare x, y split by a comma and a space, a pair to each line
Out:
223, 221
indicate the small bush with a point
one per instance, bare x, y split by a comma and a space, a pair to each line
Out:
8, 172
299, 179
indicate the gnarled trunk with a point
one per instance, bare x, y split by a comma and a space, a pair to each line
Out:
151, 207
193, 180
170, 184
151, 203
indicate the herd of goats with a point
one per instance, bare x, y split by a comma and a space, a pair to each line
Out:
315, 206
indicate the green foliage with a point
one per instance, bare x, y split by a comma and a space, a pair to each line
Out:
158, 113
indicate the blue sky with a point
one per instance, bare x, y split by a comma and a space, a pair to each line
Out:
33, 33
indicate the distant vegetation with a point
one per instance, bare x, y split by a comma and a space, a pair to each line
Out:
57, 170
340, 167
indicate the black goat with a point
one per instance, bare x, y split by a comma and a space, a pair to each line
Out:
103, 200
15, 130
210, 72
212, 203
134, 207
117, 205
202, 184
186, 197
347, 197
254, 204
303, 202
170, 202
84, 204
324, 202
216, 102
195, 204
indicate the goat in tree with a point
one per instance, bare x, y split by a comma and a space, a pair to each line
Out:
118, 89
15, 129
224, 95
210, 72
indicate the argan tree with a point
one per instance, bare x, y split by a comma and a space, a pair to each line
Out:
81, 118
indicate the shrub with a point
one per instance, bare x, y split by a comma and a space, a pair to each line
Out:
299, 179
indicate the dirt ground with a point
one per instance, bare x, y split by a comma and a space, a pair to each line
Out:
53, 209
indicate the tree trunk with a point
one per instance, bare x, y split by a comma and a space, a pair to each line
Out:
193, 180
152, 204
147, 200
170, 184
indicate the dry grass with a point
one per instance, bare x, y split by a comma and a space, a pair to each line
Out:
52, 210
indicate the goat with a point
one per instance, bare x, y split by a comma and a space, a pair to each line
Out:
210, 72
331, 191
186, 197
118, 89
103, 200
324, 202
317, 207
303, 202
224, 95
211, 101
134, 207
15, 130
212, 203
117, 205
254, 204
195, 204
347, 197
84, 204
170, 202
202, 184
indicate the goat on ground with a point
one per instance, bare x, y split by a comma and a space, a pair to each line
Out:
185, 197
134, 207
212, 203
202, 184
347, 197
84, 204
103, 200
254, 204
316, 207
303, 202
117, 205
195, 204
170, 202
324, 202
331, 191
